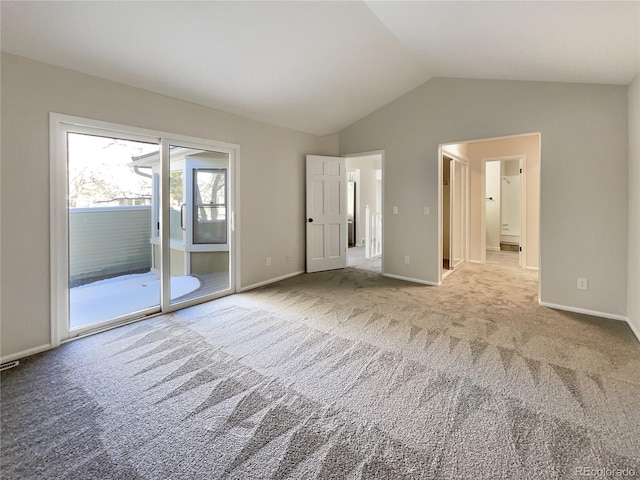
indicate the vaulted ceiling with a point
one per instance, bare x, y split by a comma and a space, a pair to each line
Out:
317, 67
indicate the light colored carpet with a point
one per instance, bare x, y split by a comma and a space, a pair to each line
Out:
341, 374
503, 257
356, 259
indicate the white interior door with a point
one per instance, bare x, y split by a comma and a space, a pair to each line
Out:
326, 213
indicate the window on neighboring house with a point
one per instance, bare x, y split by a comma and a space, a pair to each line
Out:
210, 206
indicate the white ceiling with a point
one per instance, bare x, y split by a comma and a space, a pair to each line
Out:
317, 67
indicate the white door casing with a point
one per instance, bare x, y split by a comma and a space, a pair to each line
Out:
326, 213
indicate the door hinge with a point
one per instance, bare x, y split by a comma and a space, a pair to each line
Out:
520, 170
520, 248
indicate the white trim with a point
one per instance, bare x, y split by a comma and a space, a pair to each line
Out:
533, 269
492, 249
455, 156
412, 280
633, 328
539, 217
132, 132
234, 169
272, 280
491, 139
26, 353
117, 208
584, 311
440, 227
110, 326
477, 262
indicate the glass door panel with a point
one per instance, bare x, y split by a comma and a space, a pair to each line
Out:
209, 206
177, 205
200, 264
110, 222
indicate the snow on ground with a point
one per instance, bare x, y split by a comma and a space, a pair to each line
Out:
114, 297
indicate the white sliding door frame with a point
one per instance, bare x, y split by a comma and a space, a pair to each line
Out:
59, 232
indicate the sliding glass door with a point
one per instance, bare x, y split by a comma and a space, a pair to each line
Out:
199, 203
143, 224
109, 217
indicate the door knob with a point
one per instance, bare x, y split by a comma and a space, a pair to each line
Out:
310, 220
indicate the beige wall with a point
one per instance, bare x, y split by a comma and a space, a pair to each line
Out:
477, 151
272, 180
584, 133
633, 306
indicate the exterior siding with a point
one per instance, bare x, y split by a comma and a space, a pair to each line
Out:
109, 241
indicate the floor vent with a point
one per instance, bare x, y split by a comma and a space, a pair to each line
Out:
509, 247
8, 365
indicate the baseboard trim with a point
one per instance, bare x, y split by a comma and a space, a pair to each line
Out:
412, 280
271, 280
533, 269
478, 262
493, 249
25, 353
595, 313
634, 329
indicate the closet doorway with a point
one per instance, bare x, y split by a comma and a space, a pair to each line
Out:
454, 212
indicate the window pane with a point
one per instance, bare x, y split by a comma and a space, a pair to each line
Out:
210, 186
210, 211
110, 221
210, 225
176, 222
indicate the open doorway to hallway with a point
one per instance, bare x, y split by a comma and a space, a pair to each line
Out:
504, 210
364, 211
502, 205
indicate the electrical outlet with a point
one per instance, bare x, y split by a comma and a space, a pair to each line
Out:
583, 284
268, 261
427, 210
395, 210
407, 260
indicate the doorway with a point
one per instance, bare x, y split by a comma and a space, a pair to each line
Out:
364, 214
143, 223
505, 207
518, 151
